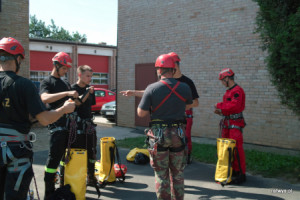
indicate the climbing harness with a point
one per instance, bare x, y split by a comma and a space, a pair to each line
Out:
225, 123
156, 132
11, 137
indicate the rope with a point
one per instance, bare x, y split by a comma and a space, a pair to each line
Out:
72, 135
221, 125
36, 188
90, 130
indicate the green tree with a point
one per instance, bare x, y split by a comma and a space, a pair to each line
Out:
278, 23
38, 29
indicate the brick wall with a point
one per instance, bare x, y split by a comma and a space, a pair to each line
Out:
208, 36
14, 22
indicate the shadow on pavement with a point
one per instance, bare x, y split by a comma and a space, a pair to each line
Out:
118, 193
225, 194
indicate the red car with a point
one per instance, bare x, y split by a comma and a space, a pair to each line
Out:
102, 96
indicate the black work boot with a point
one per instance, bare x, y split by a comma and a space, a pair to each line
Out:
49, 189
189, 159
91, 180
49, 180
239, 179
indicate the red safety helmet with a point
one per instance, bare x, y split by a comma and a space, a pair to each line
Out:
225, 72
118, 171
174, 56
165, 61
12, 46
63, 58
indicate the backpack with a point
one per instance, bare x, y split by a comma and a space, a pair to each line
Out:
141, 158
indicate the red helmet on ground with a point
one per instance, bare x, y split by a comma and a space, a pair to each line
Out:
12, 46
63, 58
174, 56
118, 171
165, 61
225, 72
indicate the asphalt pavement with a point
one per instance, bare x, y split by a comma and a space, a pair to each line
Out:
139, 183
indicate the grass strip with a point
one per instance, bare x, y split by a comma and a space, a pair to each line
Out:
261, 163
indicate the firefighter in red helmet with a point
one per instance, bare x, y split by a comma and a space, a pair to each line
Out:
189, 109
19, 104
54, 91
167, 100
232, 124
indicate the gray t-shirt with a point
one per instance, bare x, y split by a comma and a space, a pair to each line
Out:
173, 108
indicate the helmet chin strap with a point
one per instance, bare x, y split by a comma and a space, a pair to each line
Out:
227, 82
57, 68
174, 71
17, 64
159, 75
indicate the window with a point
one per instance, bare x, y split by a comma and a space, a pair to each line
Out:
100, 93
99, 79
110, 94
39, 75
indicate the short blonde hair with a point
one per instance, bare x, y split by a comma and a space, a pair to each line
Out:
83, 68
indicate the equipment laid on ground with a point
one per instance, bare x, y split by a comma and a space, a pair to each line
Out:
131, 156
75, 172
141, 159
105, 169
225, 151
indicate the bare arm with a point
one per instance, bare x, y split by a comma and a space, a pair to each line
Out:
136, 93
141, 112
78, 102
50, 98
193, 105
48, 117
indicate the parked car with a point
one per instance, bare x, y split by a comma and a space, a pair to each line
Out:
102, 96
109, 111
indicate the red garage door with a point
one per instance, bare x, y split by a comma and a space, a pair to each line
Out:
99, 64
41, 61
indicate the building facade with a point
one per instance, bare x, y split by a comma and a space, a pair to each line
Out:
101, 58
14, 22
208, 36
14, 18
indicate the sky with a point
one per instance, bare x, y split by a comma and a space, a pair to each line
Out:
95, 18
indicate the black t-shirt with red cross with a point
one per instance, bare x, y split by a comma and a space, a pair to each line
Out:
52, 85
174, 107
20, 104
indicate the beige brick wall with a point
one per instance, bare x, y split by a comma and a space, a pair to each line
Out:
14, 22
208, 36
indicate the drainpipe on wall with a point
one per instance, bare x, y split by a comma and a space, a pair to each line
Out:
112, 70
73, 71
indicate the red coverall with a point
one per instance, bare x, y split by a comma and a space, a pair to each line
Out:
234, 103
188, 129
